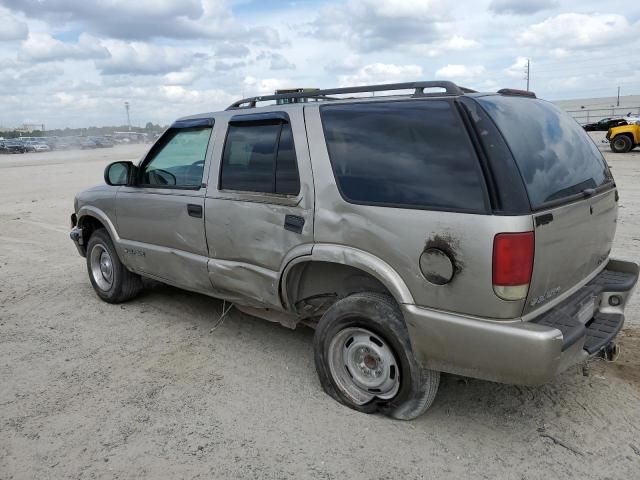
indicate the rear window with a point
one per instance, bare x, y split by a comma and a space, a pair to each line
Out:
412, 154
556, 157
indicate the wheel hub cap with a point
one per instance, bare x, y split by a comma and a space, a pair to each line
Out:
363, 365
105, 266
101, 267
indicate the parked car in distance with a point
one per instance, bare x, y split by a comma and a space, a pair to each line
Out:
624, 138
9, 146
35, 146
88, 143
605, 124
458, 232
102, 142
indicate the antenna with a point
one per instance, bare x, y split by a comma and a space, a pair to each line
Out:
126, 107
527, 73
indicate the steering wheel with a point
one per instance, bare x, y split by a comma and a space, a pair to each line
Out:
162, 176
198, 162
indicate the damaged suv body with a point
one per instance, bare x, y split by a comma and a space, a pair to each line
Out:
451, 231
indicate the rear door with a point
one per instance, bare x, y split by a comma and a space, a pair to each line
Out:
570, 190
161, 218
260, 216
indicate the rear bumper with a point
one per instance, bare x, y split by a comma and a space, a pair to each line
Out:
527, 353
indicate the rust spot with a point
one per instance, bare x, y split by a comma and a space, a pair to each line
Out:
449, 245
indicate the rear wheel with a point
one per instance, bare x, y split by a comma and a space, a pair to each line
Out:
621, 144
110, 278
364, 358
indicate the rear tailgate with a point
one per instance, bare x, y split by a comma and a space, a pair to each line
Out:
570, 188
571, 242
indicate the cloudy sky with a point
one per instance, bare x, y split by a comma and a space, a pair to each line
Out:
75, 62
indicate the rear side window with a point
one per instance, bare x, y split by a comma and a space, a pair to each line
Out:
412, 154
556, 157
260, 157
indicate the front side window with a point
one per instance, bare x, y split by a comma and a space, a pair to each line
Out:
260, 157
414, 154
178, 159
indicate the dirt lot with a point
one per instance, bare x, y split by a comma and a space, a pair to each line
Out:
151, 389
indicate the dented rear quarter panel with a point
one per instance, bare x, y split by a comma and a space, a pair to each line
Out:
399, 236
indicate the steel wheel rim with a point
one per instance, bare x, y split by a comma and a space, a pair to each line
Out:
101, 267
363, 365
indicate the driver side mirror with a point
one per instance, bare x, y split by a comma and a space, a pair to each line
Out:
118, 173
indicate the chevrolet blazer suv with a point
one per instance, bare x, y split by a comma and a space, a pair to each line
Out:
434, 230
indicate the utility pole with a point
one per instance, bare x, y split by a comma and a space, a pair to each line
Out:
126, 107
527, 72
618, 104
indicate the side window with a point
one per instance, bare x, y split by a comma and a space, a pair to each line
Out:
178, 160
412, 153
260, 157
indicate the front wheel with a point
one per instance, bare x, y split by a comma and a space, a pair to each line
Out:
364, 358
621, 144
110, 278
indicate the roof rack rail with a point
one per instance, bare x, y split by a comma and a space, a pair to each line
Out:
418, 87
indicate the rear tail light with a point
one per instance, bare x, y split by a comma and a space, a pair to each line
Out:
512, 264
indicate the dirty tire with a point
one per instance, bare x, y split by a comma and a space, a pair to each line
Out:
124, 285
380, 315
621, 144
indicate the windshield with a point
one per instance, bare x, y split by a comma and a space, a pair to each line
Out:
556, 157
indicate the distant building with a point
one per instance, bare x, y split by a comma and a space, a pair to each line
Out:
30, 127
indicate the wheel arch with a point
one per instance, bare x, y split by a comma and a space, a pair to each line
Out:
91, 218
332, 272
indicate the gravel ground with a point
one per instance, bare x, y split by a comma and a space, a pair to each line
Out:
155, 389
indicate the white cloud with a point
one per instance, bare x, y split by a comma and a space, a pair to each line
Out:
579, 30
76, 102
171, 58
382, 73
454, 43
369, 25
140, 58
177, 93
521, 7
179, 78
255, 86
147, 19
460, 72
280, 62
43, 47
517, 69
11, 28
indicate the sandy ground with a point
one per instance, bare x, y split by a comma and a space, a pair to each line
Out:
151, 389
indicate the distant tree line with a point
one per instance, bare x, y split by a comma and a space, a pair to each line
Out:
88, 131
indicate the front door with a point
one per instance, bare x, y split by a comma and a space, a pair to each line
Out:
260, 216
161, 217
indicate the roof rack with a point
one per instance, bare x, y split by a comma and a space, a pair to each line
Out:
418, 87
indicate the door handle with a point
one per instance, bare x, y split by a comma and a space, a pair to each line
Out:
194, 210
293, 223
